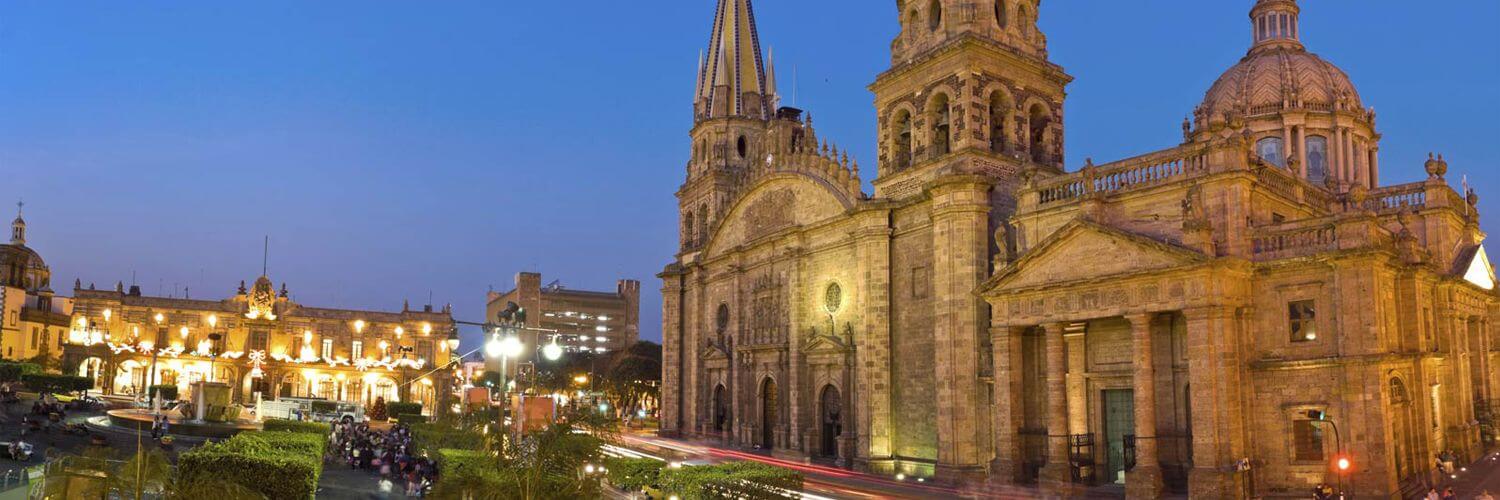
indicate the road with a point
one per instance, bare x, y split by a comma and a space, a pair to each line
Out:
820, 482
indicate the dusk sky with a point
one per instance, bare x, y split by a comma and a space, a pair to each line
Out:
396, 149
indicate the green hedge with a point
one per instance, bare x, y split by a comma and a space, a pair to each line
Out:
274, 464
632, 474
395, 410
432, 438
168, 392
281, 424
62, 384
411, 418
742, 480
462, 473
12, 371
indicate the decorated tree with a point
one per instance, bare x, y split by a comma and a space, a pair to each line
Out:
377, 411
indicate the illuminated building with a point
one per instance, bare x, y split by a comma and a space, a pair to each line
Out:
267, 344
33, 320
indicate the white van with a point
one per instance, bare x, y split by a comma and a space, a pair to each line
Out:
312, 409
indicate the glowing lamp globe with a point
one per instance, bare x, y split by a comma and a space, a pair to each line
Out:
552, 352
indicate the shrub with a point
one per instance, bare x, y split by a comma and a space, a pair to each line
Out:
168, 392
431, 438
462, 473
632, 474
274, 464
411, 418
46, 382
12, 371
750, 480
396, 410
281, 424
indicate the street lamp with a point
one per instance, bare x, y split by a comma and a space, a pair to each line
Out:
161, 332
506, 348
453, 339
552, 352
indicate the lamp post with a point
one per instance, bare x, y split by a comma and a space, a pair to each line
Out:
213, 344
161, 333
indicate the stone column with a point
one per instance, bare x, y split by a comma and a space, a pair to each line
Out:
796, 286
960, 237
673, 352
1144, 481
1056, 475
1286, 144
871, 410
1005, 343
1302, 151
1374, 166
1218, 432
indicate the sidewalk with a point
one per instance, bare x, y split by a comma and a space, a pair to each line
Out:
1480, 476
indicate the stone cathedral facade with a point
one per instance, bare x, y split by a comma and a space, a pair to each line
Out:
1195, 319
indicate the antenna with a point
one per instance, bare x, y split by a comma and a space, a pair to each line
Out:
794, 85
265, 255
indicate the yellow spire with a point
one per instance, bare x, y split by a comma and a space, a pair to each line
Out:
732, 80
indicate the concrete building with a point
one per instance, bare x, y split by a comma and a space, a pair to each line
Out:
33, 319
1153, 323
579, 320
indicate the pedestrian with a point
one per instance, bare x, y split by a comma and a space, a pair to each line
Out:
1449, 494
1484, 495
1432, 494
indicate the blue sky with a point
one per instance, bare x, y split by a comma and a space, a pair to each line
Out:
396, 149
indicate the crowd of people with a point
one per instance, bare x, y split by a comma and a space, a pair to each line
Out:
387, 453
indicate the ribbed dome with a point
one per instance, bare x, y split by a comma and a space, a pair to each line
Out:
22, 267
1267, 81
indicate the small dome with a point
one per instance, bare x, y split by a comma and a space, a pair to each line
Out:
22, 267
1268, 81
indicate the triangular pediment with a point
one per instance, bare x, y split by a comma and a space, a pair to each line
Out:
1083, 250
1479, 271
824, 344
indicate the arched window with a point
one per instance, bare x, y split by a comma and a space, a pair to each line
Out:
741, 147
688, 223
1001, 16
1317, 159
1023, 17
998, 114
1272, 150
941, 125
1040, 120
702, 224
935, 15
901, 140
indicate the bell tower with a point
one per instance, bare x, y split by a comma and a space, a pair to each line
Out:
735, 107
970, 90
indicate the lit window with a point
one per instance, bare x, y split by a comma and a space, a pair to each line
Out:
600, 349
357, 349
1307, 441
601, 328
601, 339
327, 348
604, 318
1303, 321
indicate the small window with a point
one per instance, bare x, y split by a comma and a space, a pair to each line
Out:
1302, 318
1317, 159
1270, 149
721, 318
1277, 218
1001, 16
741, 147
327, 349
357, 349
1307, 441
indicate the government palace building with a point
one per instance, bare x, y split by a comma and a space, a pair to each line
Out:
261, 343
1228, 317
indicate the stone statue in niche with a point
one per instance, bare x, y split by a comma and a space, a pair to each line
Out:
1002, 247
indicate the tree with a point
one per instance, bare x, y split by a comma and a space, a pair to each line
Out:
634, 375
377, 411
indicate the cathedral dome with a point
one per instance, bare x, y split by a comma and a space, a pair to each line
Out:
1269, 81
1278, 73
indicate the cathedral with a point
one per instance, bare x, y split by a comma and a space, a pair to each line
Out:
1247, 313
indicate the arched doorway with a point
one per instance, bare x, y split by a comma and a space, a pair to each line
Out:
1401, 430
831, 421
768, 412
720, 410
130, 377
91, 368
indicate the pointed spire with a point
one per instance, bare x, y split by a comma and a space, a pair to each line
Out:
775, 98
698, 78
735, 83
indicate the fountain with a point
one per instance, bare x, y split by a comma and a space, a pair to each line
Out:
209, 414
